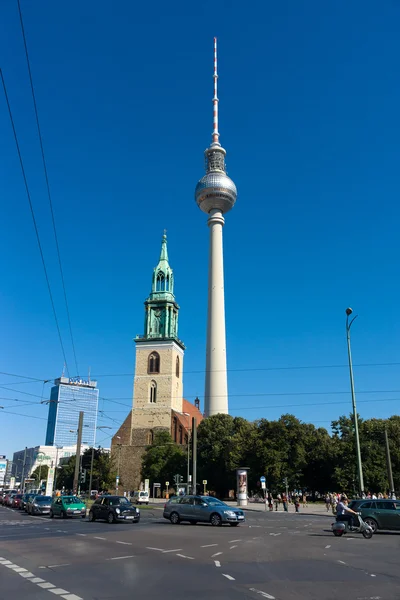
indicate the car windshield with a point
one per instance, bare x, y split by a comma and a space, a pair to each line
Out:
214, 502
43, 499
143, 494
116, 501
72, 500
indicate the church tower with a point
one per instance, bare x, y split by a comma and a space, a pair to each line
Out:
158, 385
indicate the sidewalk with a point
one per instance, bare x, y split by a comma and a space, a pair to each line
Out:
312, 508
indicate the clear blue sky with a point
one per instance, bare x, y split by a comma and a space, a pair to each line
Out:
309, 115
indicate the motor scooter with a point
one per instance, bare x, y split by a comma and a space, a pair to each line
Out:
339, 527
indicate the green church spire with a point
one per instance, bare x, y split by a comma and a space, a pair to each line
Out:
161, 308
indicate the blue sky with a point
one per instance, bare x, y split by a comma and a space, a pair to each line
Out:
309, 96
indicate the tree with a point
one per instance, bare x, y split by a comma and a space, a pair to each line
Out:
163, 459
40, 471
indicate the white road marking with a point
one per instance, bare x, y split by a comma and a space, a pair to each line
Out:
275, 534
262, 593
150, 548
232, 547
327, 546
58, 591
99, 538
341, 562
216, 554
174, 550
82, 534
55, 566
37, 580
11, 566
373, 575
208, 545
20, 570
126, 543
183, 556
71, 597
121, 557
228, 577
217, 563
46, 585
233, 541
26, 575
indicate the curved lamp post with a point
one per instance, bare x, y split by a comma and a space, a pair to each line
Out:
353, 399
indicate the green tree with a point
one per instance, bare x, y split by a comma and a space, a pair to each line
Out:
163, 459
41, 471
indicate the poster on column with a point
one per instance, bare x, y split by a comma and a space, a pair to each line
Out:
50, 481
241, 475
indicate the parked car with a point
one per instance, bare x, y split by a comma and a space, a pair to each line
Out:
202, 508
25, 499
114, 509
8, 498
68, 506
378, 514
16, 501
39, 505
141, 497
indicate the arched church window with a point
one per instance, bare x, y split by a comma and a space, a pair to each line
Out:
153, 392
160, 285
167, 284
149, 438
177, 366
154, 363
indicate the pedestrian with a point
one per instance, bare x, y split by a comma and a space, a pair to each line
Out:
270, 501
305, 500
284, 502
334, 504
296, 503
276, 502
328, 502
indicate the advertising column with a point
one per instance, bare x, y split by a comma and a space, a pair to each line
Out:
3, 469
241, 480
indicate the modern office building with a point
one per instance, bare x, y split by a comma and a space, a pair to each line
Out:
67, 398
25, 461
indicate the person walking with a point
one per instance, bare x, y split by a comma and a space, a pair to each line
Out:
328, 502
284, 502
270, 501
296, 503
305, 500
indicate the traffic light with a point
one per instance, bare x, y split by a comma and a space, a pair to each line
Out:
83, 476
178, 479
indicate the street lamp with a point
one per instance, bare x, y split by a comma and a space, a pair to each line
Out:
353, 399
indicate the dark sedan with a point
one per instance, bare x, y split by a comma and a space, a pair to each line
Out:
379, 514
16, 501
39, 505
114, 509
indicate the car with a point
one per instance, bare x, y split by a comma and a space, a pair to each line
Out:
8, 498
141, 497
68, 507
114, 509
39, 505
202, 509
378, 514
25, 499
16, 501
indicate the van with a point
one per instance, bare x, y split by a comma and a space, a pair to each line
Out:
141, 497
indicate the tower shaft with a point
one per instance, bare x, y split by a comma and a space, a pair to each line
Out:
216, 383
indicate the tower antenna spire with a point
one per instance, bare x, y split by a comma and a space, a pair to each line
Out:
215, 134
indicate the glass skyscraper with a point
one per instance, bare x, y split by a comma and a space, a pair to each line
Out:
67, 398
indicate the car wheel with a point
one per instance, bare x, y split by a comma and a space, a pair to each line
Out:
51, 515
110, 518
63, 514
338, 533
174, 518
372, 523
233, 524
91, 517
216, 520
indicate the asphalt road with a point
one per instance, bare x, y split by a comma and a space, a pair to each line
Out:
273, 555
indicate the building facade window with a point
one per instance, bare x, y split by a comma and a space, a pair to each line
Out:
160, 285
153, 392
149, 438
180, 434
177, 366
154, 363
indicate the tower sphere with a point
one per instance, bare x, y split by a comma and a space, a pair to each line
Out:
215, 191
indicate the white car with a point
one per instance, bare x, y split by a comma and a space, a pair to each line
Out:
141, 497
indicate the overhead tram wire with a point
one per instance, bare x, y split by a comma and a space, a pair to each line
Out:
47, 185
33, 218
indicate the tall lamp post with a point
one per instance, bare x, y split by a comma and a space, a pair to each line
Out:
353, 399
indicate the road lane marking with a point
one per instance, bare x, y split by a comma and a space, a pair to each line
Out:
233, 541
216, 554
37, 580
327, 546
275, 534
58, 591
217, 563
82, 534
341, 562
46, 585
26, 575
99, 538
262, 593
175, 550
150, 548
232, 547
184, 556
228, 577
71, 597
20, 570
208, 545
126, 543
121, 557
55, 566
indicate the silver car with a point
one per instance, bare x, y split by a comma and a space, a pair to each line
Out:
204, 509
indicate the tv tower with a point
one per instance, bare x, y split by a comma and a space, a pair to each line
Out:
215, 194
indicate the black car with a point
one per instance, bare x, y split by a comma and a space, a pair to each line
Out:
25, 499
114, 509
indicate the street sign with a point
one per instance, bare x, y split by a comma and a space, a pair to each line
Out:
156, 484
117, 479
263, 486
166, 483
262, 479
204, 481
146, 485
50, 481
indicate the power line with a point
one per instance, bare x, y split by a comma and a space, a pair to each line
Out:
47, 183
33, 217
312, 404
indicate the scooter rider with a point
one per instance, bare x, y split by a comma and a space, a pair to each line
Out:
343, 512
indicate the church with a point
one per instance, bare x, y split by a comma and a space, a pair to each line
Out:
158, 402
